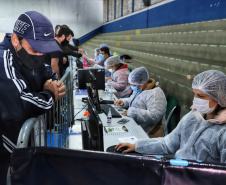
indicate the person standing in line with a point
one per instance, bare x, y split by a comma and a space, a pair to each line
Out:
55, 59
28, 88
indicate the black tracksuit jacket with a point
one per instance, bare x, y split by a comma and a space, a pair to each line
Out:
21, 93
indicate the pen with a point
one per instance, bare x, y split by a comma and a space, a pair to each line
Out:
105, 130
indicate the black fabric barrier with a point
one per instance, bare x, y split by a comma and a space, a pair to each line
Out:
55, 166
196, 173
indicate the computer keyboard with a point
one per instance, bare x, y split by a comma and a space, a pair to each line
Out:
107, 102
114, 112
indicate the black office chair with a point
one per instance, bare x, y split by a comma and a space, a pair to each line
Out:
172, 113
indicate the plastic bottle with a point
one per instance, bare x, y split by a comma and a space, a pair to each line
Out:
111, 92
86, 115
85, 64
109, 117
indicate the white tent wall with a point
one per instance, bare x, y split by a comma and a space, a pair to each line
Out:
82, 16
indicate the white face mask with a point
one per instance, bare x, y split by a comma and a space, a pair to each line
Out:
111, 70
202, 106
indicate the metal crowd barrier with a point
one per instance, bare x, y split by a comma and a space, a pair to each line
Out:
51, 129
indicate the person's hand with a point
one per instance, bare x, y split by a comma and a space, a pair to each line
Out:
125, 113
61, 89
108, 78
84, 57
81, 50
130, 147
119, 103
52, 87
64, 60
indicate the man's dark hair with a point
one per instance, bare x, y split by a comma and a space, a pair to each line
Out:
64, 31
65, 26
71, 32
105, 50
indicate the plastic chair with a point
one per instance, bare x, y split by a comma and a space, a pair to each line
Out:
172, 113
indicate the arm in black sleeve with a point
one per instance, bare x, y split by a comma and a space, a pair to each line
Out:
72, 47
20, 102
68, 51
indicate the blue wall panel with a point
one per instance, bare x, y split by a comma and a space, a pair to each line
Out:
132, 22
176, 12
184, 11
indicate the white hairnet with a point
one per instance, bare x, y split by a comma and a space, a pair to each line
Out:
139, 76
105, 45
97, 50
213, 84
111, 61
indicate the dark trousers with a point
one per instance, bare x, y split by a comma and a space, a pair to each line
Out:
4, 164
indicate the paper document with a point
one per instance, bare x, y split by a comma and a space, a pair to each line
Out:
130, 139
115, 129
119, 130
76, 129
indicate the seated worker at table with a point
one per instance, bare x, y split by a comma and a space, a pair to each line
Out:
104, 54
147, 104
119, 76
201, 134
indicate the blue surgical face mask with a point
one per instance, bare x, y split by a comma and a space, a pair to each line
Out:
134, 88
101, 57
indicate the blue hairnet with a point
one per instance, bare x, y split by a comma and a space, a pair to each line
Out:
97, 50
105, 45
139, 76
111, 61
213, 84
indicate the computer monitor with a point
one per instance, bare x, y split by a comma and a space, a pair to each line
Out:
93, 95
92, 130
84, 76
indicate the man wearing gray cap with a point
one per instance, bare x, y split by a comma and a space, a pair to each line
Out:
28, 87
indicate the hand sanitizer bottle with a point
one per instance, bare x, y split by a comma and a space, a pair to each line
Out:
109, 117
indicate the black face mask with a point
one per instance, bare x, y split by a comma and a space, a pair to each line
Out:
32, 62
65, 42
